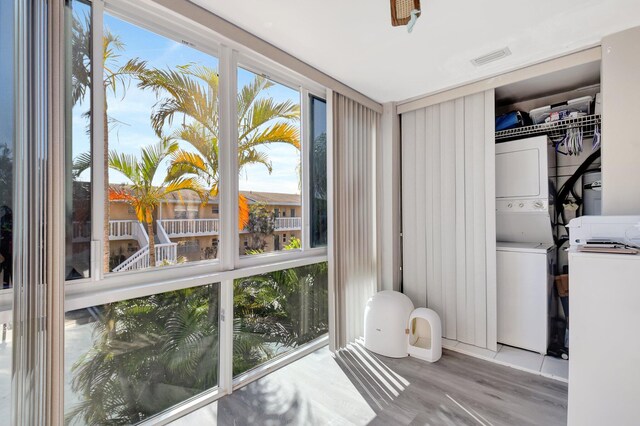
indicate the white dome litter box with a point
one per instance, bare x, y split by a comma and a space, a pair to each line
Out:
393, 328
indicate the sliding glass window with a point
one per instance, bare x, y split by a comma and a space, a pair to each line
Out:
78, 161
7, 137
150, 176
129, 360
277, 312
160, 148
318, 172
134, 357
269, 165
161, 109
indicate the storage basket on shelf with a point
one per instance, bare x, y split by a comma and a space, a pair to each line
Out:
579, 106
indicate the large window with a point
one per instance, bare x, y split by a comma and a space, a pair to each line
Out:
162, 114
128, 360
160, 204
318, 173
158, 144
78, 185
269, 165
6, 142
159, 149
276, 312
6, 199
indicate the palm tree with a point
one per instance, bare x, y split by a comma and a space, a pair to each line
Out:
191, 91
147, 355
142, 194
153, 352
287, 308
116, 78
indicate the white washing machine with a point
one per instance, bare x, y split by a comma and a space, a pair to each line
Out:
525, 274
524, 172
525, 247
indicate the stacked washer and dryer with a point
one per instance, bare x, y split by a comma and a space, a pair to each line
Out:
526, 253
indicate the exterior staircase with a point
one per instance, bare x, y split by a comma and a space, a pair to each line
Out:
166, 251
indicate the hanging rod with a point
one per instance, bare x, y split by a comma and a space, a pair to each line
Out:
555, 129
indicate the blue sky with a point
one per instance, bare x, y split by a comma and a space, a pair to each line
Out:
132, 111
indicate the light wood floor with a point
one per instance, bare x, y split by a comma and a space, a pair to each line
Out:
360, 388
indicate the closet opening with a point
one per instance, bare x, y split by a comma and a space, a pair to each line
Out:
548, 172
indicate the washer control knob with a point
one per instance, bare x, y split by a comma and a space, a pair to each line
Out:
510, 205
538, 205
521, 205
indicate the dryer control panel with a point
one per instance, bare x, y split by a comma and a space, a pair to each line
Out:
522, 205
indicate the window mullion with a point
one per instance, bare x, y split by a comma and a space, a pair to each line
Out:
305, 136
228, 207
228, 151
331, 290
98, 213
225, 376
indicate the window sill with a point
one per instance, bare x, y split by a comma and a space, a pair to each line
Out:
183, 409
116, 287
279, 362
244, 379
279, 256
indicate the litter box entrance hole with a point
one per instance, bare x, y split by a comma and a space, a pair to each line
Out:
420, 333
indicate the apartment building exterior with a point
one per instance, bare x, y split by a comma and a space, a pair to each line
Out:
187, 229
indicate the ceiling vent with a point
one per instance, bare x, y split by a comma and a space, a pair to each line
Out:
490, 57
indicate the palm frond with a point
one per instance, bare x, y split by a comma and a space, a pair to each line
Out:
81, 163
277, 133
185, 162
111, 44
80, 57
266, 110
126, 164
186, 184
199, 137
248, 94
186, 96
207, 74
252, 156
153, 155
121, 77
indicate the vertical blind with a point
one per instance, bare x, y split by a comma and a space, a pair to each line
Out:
448, 174
30, 353
355, 133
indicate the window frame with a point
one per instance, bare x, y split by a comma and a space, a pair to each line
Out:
155, 19
102, 288
306, 88
310, 111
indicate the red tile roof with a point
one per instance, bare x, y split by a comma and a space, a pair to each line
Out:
271, 198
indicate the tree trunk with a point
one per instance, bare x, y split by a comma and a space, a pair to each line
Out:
152, 245
107, 248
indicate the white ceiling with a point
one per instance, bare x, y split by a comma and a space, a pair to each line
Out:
354, 42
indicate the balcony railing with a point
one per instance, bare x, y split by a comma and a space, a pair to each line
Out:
118, 230
166, 254
190, 227
174, 228
121, 229
288, 223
